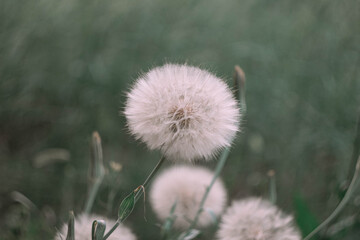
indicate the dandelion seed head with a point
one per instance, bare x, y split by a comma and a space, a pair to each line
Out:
256, 219
186, 112
83, 226
186, 186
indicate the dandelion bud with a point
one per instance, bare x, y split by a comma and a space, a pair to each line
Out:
185, 186
186, 112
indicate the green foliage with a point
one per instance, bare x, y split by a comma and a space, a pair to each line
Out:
305, 219
126, 206
66, 65
98, 230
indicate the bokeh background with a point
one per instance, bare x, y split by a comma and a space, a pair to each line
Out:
65, 67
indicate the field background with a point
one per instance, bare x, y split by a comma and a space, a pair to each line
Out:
65, 67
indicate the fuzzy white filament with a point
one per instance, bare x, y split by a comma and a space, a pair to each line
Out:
186, 186
186, 112
256, 219
83, 226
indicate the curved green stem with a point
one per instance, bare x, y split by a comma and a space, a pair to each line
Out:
356, 151
341, 205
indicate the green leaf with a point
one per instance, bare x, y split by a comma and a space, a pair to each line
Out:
126, 206
305, 219
98, 230
96, 169
71, 227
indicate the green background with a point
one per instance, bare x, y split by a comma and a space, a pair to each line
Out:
65, 68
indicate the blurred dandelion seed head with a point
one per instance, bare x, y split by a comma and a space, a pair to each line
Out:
83, 225
186, 186
186, 112
256, 219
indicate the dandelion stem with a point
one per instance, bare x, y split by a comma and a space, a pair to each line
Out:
94, 189
148, 179
138, 194
272, 187
342, 204
356, 151
240, 80
117, 223
96, 170
219, 167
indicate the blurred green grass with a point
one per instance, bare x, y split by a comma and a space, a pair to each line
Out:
65, 67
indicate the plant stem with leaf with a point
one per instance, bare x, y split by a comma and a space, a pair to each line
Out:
342, 204
129, 202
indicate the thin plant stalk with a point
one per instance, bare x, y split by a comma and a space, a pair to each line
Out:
272, 187
148, 179
96, 170
93, 192
219, 167
117, 223
342, 204
356, 151
137, 195
239, 81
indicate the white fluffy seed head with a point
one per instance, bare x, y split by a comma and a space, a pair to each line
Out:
256, 219
83, 226
186, 112
186, 186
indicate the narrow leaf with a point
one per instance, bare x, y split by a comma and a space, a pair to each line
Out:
240, 80
71, 227
98, 230
96, 170
272, 187
304, 217
126, 206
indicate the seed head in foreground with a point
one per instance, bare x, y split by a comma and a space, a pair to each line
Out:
83, 225
186, 186
186, 112
256, 219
